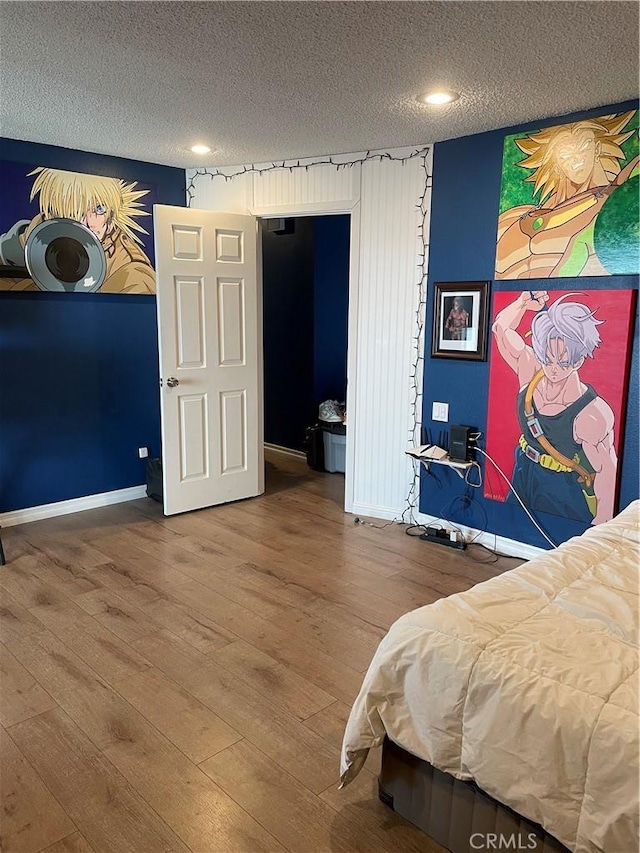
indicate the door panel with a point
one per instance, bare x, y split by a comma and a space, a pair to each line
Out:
233, 431
187, 242
194, 431
210, 346
189, 296
229, 246
231, 321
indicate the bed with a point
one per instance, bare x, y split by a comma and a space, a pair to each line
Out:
523, 689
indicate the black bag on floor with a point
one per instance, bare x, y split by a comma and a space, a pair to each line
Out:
154, 479
314, 445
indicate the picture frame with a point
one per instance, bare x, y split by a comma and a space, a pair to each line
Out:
460, 320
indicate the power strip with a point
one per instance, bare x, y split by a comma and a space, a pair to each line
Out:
444, 537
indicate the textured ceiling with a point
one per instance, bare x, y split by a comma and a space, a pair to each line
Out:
264, 80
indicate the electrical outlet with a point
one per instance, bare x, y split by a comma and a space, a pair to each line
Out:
143, 452
440, 412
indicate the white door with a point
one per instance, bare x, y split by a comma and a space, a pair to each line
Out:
210, 342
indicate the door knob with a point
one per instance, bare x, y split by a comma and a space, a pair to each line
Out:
172, 382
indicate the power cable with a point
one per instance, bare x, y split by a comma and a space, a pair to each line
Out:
517, 496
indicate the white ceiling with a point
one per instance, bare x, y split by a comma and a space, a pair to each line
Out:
264, 80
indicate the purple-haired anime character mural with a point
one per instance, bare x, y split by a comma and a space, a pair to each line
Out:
559, 364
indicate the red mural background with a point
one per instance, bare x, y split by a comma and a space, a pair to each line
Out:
607, 372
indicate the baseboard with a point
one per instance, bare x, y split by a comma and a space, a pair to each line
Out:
502, 544
375, 511
37, 513
510, 547
285, 451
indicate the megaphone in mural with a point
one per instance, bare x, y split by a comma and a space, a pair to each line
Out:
64, 255
59, 255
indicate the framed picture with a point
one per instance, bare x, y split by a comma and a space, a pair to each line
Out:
460, 320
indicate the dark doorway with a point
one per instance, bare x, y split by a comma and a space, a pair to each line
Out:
305, 296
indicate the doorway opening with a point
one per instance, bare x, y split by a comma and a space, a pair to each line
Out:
305, 288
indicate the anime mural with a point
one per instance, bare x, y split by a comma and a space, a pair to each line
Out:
74, 233
569, 200
557, 387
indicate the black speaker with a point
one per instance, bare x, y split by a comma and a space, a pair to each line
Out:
154, 479
459, 443
314, 445
281, 226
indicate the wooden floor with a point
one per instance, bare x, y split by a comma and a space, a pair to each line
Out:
175, 684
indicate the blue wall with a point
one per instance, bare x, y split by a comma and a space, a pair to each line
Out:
331, 303
466, 188
306, 292
78, 372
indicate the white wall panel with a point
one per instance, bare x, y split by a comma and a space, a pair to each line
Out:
301, 186
384, 196
227, 196
389, 274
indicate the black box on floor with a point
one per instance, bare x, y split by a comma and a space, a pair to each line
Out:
154, 479
314, 445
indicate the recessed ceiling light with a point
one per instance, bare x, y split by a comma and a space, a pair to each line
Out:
200, 149
440, 97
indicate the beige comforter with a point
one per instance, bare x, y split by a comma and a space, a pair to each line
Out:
527, 684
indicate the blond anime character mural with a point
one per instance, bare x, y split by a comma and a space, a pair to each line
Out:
84, 238
573, 211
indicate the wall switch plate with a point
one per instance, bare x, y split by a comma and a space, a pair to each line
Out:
143, 452
440, 412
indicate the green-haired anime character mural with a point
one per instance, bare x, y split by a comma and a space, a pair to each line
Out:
575, 212
84, 238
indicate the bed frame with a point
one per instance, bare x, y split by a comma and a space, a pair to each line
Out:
451, 811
